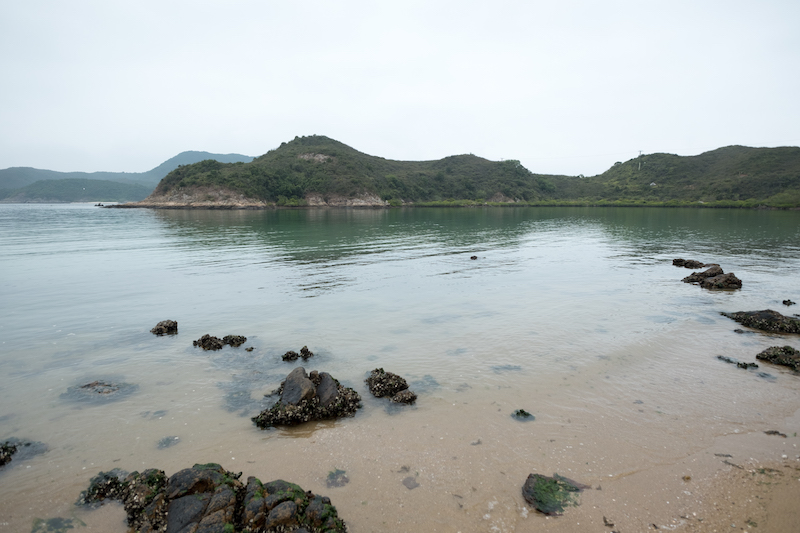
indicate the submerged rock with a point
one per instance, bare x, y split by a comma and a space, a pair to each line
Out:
19, 450
207, 498
688, 263
723, 281
306, 397
99, 391
165, 327
766, 320
382, 383
337, 478
550, 495
781, 355
209, 342
740, 364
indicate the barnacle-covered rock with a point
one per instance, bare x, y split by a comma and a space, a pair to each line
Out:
208, 498
781, 355
306, 397
766, 320
165, 327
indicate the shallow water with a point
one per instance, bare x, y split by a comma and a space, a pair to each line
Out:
574, 314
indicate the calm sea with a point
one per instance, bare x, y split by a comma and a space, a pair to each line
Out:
573, 314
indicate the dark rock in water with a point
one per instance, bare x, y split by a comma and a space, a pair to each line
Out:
100, 391
297, 388
688, 263
234, 340
382, 383
337, 478
309, 397
19, 450
165, 327
291, 355
327, 390
7, 449
209, 499
523, 415
404, 396
474, 257
788, 302
723, 281
209, 342
550, 495
740, 364
781, 355
766, 320
697, 277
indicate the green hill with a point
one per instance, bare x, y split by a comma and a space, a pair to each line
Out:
734, 175
317, 165
17, 177
77, 190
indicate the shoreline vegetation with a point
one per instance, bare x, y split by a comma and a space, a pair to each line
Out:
316, 171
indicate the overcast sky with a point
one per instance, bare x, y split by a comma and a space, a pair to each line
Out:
566, 87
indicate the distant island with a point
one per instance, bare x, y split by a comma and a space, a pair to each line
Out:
316, 171
33, 185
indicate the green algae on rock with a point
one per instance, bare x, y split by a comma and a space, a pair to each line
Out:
550, 495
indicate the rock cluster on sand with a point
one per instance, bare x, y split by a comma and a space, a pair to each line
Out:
305, 397
209, 342
766, 320
209, 499
165, 327
291, 355
781, 355
382, 384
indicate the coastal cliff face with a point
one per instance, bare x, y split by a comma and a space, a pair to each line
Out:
201, 198
220, 198
337, 200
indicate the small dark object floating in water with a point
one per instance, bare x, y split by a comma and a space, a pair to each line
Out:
474, 257
788, 302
